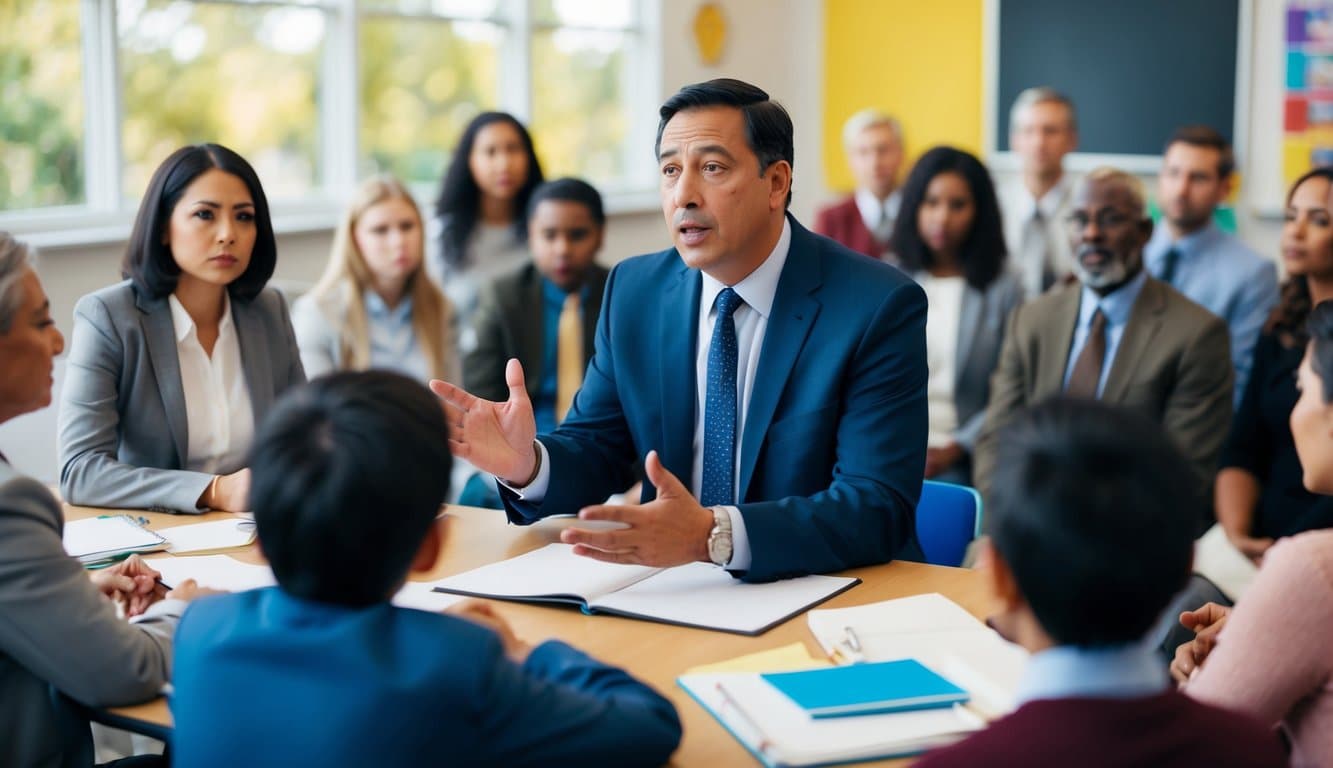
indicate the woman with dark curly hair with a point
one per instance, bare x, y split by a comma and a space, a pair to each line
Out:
1259, 494
949, 237
480, 225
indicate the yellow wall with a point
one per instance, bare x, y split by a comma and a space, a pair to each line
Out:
920, 60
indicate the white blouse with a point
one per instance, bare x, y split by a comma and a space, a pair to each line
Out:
945, 297
220, 421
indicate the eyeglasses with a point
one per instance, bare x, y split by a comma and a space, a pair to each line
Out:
1105, 219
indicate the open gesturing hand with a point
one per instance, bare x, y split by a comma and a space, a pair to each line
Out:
495, 437
669, 530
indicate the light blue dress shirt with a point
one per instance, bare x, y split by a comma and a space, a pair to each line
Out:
393, 341
1114, 672
1116, 306
1219, 272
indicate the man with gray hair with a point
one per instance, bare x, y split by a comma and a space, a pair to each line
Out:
61, 628
1119, 336
1042, 130
864, 221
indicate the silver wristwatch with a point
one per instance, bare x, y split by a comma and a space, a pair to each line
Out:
719, 539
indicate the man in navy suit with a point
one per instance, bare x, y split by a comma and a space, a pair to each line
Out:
323, 670
786, 438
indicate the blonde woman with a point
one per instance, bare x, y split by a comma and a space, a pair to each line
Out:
375, 307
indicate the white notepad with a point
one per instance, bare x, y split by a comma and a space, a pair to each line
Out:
231, 575
231, 533
213, 572
693, 595
936, 631
98, 539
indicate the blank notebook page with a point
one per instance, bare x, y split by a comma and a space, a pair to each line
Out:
702, 593
552, 570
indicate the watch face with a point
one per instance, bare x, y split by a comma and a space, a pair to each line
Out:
719, 547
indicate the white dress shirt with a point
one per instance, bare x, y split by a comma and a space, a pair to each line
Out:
944, 297
220, 421
1036, 245
879, 215
757, 291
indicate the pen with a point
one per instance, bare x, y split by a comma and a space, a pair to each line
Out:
730, 700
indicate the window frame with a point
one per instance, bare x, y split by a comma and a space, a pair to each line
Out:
106, 216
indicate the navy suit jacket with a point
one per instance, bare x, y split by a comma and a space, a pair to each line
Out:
834, 446
265, 679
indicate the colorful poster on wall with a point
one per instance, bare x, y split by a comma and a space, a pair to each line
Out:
1308, 119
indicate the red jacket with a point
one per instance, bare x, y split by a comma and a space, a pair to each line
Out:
843, 223
1161, 731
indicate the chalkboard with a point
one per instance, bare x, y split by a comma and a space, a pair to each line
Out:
1135, 69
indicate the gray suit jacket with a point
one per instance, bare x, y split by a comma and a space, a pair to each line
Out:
510, 323
981, 326
124, 437
59, 631
1173, 364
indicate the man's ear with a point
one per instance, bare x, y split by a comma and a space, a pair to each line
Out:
429, 551
1146, 228
999, 577
779, 174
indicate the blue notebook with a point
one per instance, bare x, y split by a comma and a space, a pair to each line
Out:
864, 689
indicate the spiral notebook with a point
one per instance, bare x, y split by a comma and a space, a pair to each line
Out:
103, 539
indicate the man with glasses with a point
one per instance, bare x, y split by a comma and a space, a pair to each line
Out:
1119, 336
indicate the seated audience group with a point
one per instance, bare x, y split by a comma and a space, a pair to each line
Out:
779, 394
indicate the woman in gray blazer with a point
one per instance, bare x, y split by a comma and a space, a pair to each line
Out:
950, 238
171, 370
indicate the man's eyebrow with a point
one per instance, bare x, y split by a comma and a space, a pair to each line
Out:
707, 149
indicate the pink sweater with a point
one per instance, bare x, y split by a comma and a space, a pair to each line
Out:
1273, 658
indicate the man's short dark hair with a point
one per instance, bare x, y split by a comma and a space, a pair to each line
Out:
1092, 508
148, 261
569, 190
768, 128
349, 474
1203, 136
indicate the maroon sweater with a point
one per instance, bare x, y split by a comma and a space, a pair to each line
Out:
1164, 730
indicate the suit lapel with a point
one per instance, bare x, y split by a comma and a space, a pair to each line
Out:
969, 320
255, 358
794, 312
1144, 320
160, 336
532, 329
678, 329
592, 306
1057, 336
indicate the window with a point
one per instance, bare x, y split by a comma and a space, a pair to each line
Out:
41, 129
245, 77
315, 93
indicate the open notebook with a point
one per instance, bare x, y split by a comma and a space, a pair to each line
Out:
692, 595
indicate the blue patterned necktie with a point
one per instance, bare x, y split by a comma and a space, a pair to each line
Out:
720, 406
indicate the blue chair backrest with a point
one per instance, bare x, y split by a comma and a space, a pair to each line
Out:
948, 518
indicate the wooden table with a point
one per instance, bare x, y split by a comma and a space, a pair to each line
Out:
655, 653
